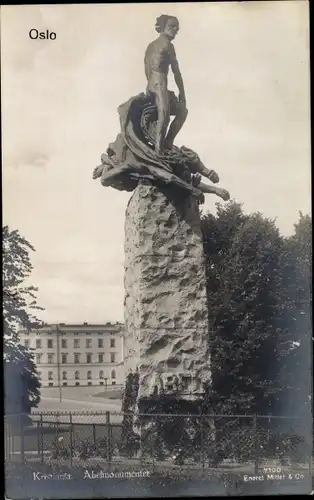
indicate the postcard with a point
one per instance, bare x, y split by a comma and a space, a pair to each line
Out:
157, 250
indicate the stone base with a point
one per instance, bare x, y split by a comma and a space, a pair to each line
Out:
165, 294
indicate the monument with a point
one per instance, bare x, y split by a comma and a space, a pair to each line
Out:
166, 321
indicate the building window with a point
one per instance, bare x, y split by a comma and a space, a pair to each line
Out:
63, 343
50, 375
112, 357
113, 382
37, 333
77, 383
26, 343
76, 358
113, 373
50, 359
76, 343
100, 333
112, 342
64, 383
77, 375
89, 374
50, 384
38, 358
88, 333
100, 343
64, 358
88, 358
101, 383
76, 333
89, 383
88, 343
26, 332
100, 358
49, 333
49, 343
101, 374
64, 375
38, 343
62, 333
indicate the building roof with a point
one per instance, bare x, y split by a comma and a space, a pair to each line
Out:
78, 326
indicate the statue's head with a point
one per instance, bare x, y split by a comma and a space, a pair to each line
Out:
168, 25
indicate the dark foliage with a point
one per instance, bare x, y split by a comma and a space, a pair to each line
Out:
21, 381
256, 282
130, 439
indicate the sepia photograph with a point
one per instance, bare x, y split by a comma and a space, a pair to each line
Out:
157, 249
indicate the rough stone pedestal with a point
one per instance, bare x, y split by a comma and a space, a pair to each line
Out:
165, 294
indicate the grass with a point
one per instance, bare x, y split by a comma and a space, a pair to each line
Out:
110, 394
82, 393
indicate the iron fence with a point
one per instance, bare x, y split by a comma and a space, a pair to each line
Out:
199, 441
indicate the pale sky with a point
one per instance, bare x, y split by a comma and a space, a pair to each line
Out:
246, 71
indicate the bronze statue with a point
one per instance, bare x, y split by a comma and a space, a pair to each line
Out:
125, 173
143, 150
159, 55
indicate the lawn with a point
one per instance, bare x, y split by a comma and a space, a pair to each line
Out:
79, 399
110, 394
80, 393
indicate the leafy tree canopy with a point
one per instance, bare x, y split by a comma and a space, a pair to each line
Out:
19, 303
256, 282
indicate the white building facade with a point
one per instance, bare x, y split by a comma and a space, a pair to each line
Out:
77, 355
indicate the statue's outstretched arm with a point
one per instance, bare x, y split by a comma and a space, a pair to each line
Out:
208, 173
222, 193
167, 178
196, 166
109, 175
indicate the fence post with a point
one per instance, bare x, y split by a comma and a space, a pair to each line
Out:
13, 424
22, 438
255, 444
311, 450
202, 443
7, 439
108, 437
41, 438
57, 430
71, 439
94, 434
38, 438
7, 453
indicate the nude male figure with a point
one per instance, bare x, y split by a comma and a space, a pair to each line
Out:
159, 55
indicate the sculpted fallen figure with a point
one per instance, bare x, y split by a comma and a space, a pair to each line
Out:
131, 157
124, 175
144, 148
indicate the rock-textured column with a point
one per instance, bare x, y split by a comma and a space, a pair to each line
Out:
165, 294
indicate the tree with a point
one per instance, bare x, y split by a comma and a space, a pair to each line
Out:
294, 320
130, 439
242, 255
19, 301
259, 302
21, 379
